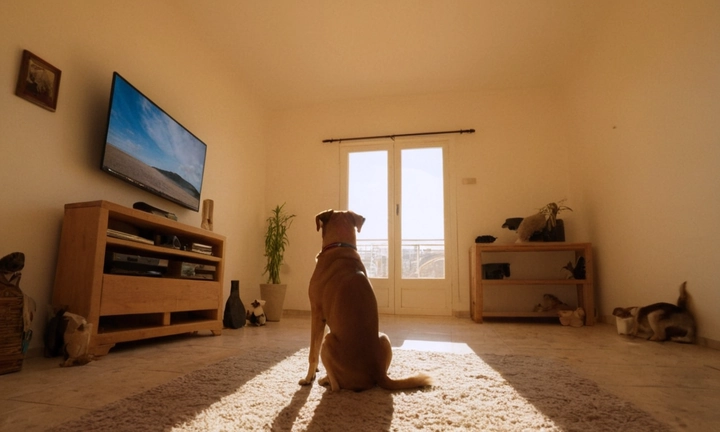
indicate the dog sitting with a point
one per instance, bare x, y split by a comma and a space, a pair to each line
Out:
664, 320
356, 355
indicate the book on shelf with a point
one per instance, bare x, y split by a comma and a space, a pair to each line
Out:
201, 248
126, 236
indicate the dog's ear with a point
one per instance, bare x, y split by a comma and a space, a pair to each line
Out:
357, 220
322, 218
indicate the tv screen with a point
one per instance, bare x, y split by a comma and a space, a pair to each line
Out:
148, 148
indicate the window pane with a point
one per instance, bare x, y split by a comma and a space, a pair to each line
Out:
423, 220
368, 196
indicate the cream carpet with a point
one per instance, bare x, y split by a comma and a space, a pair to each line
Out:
259, 391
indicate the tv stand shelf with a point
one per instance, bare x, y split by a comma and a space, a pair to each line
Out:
123, 308
585, 291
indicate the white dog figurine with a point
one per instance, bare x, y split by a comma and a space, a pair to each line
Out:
257, 315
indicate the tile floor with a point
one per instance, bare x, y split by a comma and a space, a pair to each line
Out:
678, 384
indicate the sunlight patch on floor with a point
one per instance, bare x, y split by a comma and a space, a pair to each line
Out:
433, 346
468, 394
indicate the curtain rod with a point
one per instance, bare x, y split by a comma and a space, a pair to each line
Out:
392, 137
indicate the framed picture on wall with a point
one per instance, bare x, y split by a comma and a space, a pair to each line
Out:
38, 81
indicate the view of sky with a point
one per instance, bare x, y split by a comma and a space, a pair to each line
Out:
422, 193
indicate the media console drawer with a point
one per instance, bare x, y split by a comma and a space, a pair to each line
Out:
122, 295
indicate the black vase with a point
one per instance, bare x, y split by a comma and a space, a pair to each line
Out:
234, 316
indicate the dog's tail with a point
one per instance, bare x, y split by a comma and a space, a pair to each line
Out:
683, 298
419, 380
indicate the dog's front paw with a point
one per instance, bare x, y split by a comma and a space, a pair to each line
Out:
324, 381
306, 381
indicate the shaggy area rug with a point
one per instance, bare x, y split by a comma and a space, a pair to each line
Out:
259, 391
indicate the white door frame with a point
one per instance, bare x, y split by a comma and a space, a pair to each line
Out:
390, 291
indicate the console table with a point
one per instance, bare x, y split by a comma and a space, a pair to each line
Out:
480, 252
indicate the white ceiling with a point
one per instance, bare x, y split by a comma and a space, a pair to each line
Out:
297, 52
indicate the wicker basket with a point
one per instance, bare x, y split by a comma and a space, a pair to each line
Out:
11, 329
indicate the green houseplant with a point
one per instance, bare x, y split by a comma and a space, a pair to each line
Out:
551, 211
554, 228
276, 240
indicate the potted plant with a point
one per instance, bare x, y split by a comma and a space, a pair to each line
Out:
276, 240
554, 228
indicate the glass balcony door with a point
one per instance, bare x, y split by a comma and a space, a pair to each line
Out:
400, 189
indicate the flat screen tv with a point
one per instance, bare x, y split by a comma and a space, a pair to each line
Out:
149, 149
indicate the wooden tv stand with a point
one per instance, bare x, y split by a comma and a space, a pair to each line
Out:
126, 307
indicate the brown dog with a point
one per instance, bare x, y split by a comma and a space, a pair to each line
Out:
355, 354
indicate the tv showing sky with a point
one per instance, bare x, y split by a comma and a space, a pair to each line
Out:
143, 130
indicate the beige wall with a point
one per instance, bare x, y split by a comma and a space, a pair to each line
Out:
49, 159
646, 155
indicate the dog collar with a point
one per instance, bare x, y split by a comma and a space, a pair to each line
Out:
338, 244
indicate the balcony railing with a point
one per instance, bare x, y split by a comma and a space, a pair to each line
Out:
421, 258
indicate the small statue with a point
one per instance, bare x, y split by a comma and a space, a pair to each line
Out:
578, 270
530, 225
257, 315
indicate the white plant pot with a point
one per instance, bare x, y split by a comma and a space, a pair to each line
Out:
624, 325
274, 296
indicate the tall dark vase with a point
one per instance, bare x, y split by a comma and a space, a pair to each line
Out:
234, 316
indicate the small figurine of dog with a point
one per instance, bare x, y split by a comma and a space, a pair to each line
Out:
664, 320
551, 303
257, 315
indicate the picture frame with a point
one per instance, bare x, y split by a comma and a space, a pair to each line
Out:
38, 81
